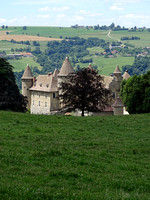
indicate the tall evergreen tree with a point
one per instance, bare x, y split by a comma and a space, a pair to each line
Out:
10, 97
85, 91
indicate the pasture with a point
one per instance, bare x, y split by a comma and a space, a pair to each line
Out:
64, 157
45, 34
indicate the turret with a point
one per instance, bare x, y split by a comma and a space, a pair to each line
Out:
65, 70
126, 75
118, 107
27, 82
118, 79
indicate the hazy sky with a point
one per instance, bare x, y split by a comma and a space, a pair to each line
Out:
127, 13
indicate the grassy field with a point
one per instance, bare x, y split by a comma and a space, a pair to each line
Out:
56, 32
107, 65
64, 157
21, 64
143, 42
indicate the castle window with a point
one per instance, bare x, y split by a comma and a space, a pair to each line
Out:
45, 104
39, 103
54, 95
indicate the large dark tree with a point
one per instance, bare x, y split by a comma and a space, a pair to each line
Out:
84, 90
10, 97
135, 93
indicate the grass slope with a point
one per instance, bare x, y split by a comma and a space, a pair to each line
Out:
63, 157
21, 64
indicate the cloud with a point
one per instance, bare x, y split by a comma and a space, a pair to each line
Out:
90, 14
131, 20
78, 18
43, 16
115, 7
12, 20
54, 9
2, 20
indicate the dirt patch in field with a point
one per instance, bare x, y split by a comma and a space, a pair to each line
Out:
4, 36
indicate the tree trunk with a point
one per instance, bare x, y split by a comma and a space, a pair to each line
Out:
82, 112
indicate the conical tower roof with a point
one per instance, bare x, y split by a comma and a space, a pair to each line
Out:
118, 103
27, 73
126, 75
66, 68
117, 70
90, 66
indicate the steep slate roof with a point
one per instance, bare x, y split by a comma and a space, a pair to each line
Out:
118, 103
66, 68
117, 70
27, 73
126, 75
46, 83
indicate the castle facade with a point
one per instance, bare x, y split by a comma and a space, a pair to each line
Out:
42, 92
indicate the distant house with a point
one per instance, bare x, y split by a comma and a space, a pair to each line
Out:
114, 51
2, 55
26, 54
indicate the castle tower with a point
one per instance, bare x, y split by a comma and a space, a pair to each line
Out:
126, 75
27, 82
118, 107
118, 79
65, 70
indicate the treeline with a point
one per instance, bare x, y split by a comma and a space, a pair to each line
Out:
75, 48
135, 93
111, 27
130, 38
52, 58
140, 66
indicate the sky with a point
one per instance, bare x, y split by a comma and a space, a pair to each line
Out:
64, 13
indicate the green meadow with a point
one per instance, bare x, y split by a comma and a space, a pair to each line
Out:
105, 65
56, 32
76, 158
143, 42
21, 64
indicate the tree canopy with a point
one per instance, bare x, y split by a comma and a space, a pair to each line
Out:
10, 97
135, 93
84, 90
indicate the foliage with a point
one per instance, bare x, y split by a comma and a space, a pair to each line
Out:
84, 90
76, 48
130, 38
135, 93
140, 66
64, 157
10, 97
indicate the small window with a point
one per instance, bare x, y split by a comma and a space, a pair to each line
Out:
40, 84
45, 104
39, 95
33, 102
39, 103
46, 97
54, 95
